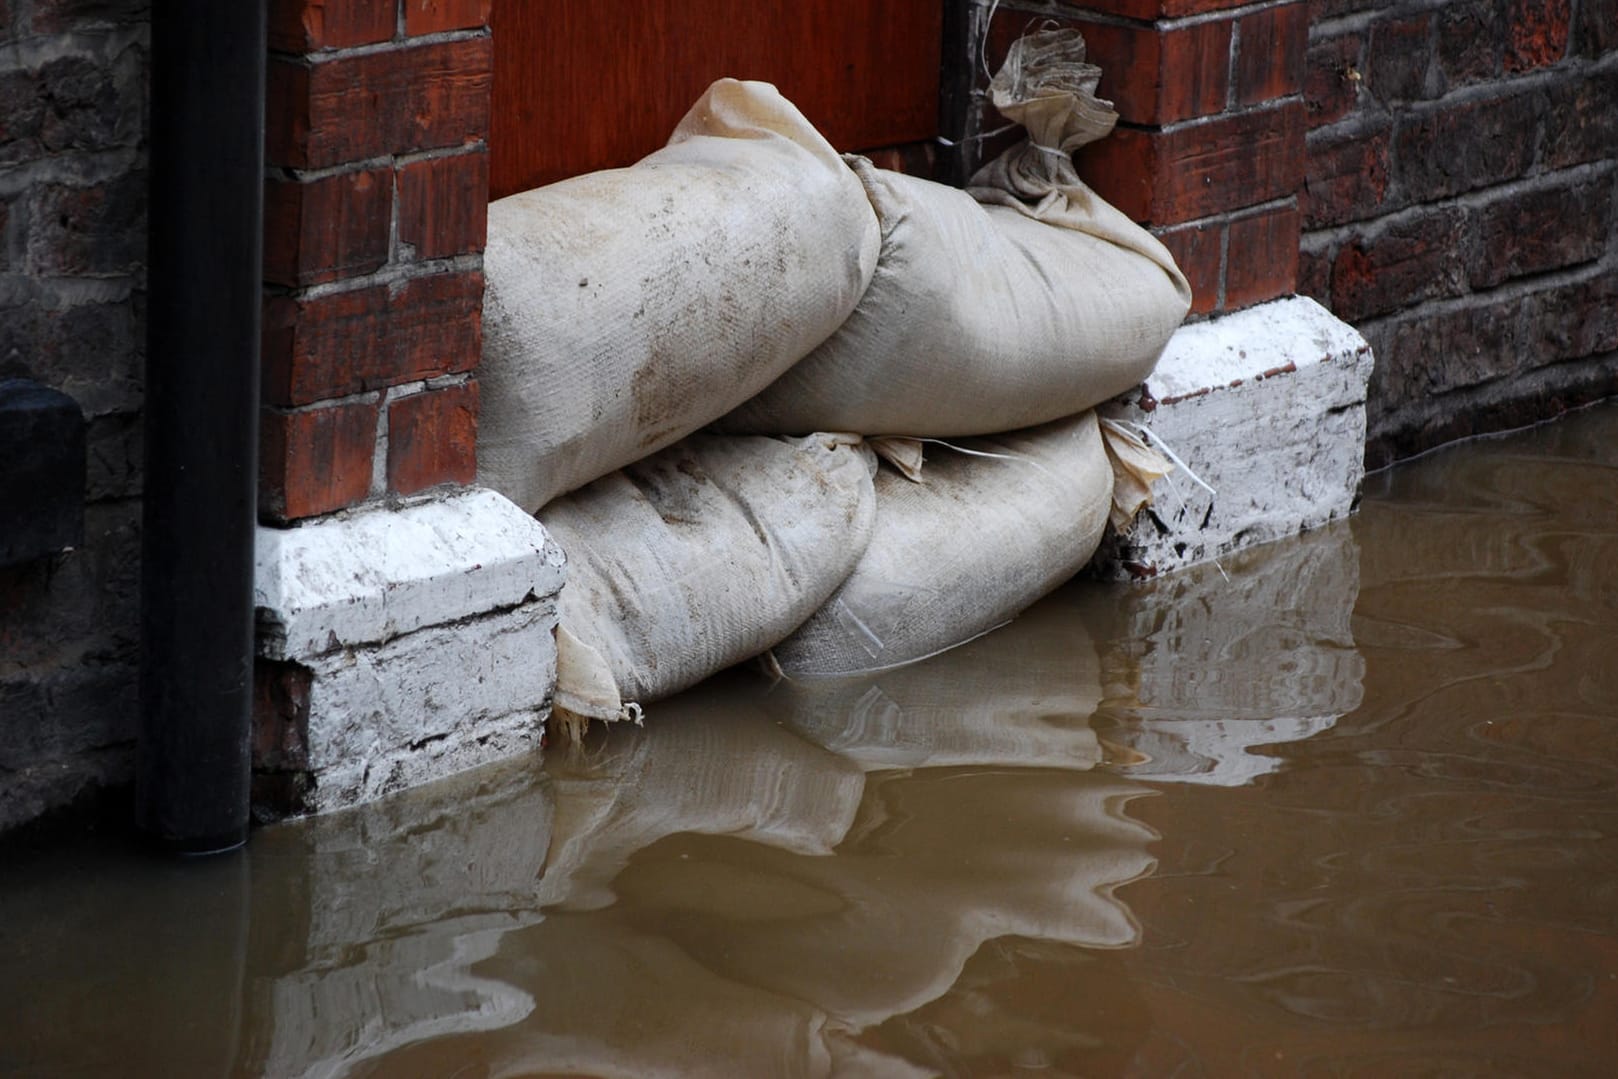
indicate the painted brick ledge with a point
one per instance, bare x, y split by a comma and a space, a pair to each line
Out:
1266, 406
399, 645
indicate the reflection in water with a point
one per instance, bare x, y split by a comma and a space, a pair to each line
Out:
1384, 768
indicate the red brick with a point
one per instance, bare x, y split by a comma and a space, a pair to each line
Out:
1468, 145
1195, 170
1198, 251
1469, 41
1526, 232
1574, 321
326, 229
437, 16
1416, 259
307, 25
1538, 33
353, 108
1261, 260
1272, 45
1400, 60
281, 716
443, 205
1332, 83
911, 158
1151, 76
1314, 274
369, 338
432, 438
316, 460
1347, 178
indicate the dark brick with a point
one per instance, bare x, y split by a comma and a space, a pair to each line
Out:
62, 16
1347, 178
443, 205
437, 16
95, 352
315, 460
370, 338
1191, 171
1424, 354
281, 716
353, 108
433, 438
1597, 31
1571, 322
1582, 121
22, 116
88, 597
1199, 252
1314, 274
99, 230
327, 229
1270, 60
1469, 41
1464, 146
1261, 261
1400, 264
5, 242
113, 462
1328, 9
1525, 232
307, 25
1538, 33
1334, 78
1400, 60
7, 32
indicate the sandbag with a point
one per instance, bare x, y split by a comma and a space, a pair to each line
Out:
625, 309
697, 557
987, 533
978, 319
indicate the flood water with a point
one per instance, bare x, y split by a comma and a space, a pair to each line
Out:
1344, 805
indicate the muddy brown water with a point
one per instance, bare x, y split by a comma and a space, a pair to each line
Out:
1344, 805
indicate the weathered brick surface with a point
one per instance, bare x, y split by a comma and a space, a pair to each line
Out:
1274, 47
443, 205
1469, 144
1348, 176
1532, 231
437, 16
432, 438
1334, 78
68, 16
97, 230
327, 229
369, 338
1401, 64
1469, 41
1262, 257
358, 107
315, 460
307, 25
1189, 171
1199, 252
1597, 28
1538, 34
1581, 123
1401, 263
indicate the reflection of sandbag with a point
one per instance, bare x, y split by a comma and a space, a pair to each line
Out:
625, 309
979, 319
981, 539
699, 557
1019, 697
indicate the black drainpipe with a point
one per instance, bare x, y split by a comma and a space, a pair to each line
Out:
201, 418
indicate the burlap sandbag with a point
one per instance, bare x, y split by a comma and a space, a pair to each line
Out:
985, 318
698, 557
624, 309
987, 533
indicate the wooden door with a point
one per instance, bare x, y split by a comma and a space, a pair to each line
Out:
591, 84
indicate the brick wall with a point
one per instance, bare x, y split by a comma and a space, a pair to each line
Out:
1459, 206
72, 281
1209, 147
374, 227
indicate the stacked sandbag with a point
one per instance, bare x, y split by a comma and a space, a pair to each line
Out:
697, 557
999, 522
625, 309
1023, 300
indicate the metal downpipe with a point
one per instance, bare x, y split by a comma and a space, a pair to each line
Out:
204, 270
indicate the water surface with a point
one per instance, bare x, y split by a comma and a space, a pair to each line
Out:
1343, 805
